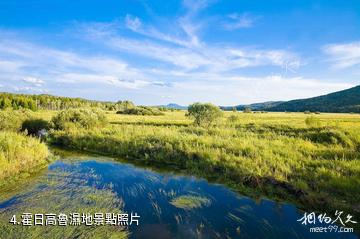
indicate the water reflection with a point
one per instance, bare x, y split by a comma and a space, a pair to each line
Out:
170, 206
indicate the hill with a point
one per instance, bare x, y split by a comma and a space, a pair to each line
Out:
337, 102
255, 106
174, 106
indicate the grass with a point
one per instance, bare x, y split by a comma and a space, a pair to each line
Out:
189, 202
20, 156
278, 154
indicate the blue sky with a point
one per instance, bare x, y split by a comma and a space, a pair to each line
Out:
155, 52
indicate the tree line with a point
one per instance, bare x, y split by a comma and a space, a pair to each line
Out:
49, 102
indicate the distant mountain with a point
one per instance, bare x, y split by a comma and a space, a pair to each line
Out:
175, 106
344, 101
255, 106
341, 101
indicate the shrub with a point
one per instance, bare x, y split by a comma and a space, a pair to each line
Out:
12, 120
312, 122
84, 118
33, 126
141, 110
204, 114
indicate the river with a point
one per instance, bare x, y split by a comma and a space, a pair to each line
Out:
168, 205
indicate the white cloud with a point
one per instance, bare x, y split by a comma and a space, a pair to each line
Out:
63, 66
193, 6
10, 66
83, 78
34, 81
260, 57
238, 21
181, 57
212, 80
186, 32
29, 89
343, 55
163, 64
132, 23
245, 90
186, 56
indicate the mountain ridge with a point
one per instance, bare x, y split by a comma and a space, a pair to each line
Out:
344, 101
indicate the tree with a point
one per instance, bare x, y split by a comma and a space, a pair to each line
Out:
204, 114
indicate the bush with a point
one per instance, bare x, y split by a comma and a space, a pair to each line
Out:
34, 126
141, 110
312, 122
12, 120
84, 118
204, 114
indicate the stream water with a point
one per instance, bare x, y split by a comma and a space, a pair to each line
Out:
169, 206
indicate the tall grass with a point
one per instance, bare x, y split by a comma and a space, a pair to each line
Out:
20, 155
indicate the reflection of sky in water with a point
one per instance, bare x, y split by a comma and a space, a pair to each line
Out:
149, 194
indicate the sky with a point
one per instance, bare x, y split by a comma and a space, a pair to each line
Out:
227, 52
